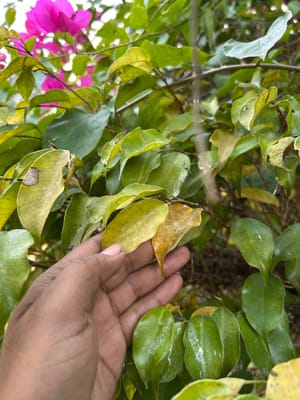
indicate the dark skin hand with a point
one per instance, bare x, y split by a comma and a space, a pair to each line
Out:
68, 337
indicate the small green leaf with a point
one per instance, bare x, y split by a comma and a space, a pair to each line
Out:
8, 203
280, 343
261, 46
203, 348
18, 64
139, 141
263, 303
229, 332
224, 141
138, 15
260, 195
255, 241
135, 62
255, 345
135, 224
171, 180
200, 390
52, 96
14, 270
80, 62
138, 169
10, 15
25, 83
40, 187
157, 346
286, 245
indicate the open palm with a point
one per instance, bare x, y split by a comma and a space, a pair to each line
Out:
68, 337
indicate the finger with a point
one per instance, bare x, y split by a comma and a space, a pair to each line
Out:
90, 246
145, 280
134, 261
162, 295
77, 282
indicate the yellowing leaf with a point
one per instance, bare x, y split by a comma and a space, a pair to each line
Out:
277, 151
284, 381
260, 195
179, 221
135, 224
206, 311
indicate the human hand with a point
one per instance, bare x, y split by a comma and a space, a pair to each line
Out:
67, 338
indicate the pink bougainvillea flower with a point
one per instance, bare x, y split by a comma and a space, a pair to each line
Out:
2, 60
50, 82
56, 16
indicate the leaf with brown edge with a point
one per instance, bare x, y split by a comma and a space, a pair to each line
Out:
179, 221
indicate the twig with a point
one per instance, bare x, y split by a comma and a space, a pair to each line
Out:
200, 141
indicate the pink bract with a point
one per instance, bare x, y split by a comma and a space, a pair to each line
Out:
56, 16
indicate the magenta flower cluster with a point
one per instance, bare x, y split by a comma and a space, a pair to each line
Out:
46, 19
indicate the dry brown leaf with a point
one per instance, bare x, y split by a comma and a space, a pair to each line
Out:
179, 221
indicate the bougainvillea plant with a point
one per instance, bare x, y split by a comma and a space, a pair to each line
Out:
179, 122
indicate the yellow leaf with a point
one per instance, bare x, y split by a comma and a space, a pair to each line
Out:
260, 195
135, 224
284, 381
179, 221
206, 311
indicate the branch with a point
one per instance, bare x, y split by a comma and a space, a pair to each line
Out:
205, 74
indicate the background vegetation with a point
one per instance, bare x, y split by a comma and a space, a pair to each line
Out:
149, 113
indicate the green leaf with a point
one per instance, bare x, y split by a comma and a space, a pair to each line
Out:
10, 15
135, 62
135, 224
171, 180
8, 203
224, 141
52, 96
84, 214
14, 270
286, 248
79, 65
260, 195
18, 130
292, 271
261, 46
255, 241
164, 55
138, 15
263, 303
157, 347
77, 131
255, 345
40, 187
18, 64
203, 348
280, 343
139, 168
246, 109
229, 332
139, 141
25, 83
204, 389
75, 221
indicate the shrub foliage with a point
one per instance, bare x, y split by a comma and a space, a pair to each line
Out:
159, 117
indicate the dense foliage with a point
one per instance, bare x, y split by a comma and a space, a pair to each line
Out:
143, 115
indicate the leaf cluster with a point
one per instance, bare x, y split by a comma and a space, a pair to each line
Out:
173, 114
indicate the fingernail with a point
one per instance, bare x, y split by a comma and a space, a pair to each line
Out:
112, 250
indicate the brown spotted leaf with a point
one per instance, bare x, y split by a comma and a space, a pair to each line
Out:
179, 221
